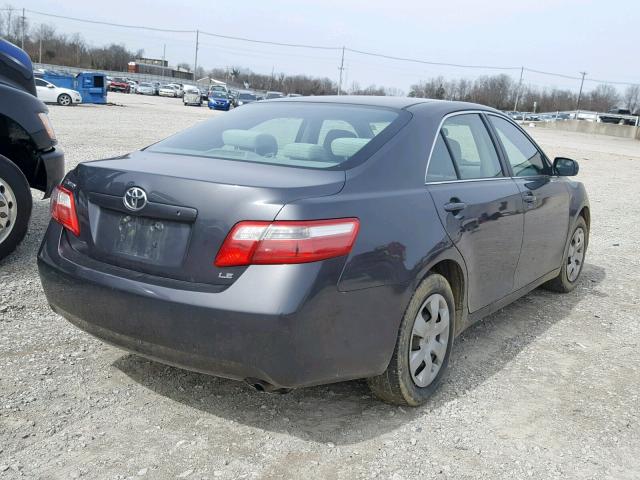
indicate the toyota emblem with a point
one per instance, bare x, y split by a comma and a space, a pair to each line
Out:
135, 198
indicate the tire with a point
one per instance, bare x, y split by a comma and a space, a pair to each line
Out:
398, 385
15, 206
65, 100
568, 277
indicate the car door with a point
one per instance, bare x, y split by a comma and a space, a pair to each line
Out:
45, 91
546, 202
479, 206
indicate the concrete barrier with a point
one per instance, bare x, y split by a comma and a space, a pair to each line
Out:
624, 131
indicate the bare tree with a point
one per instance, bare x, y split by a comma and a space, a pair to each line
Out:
631, 98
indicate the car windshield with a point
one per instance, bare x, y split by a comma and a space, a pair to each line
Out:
246, 96
168, 86
219, 95
146, 85
274, 95
303, 134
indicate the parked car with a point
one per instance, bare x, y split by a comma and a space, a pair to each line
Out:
146, 88
169, 91
219, 100
29, 155
272, 95
620, 116
192, 96
119, 84
322, 257
49, 93
179, 88
246, 97
133, 86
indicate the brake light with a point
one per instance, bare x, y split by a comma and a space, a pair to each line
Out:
63, 209
262, 243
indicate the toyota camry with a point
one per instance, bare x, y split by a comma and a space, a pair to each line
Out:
305, 241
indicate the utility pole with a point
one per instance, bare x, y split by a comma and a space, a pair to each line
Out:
580, 94
164, 57
341, 69
23, 28
515, 108
195, 63
40, 50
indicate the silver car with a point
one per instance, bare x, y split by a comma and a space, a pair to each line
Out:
146, 89
192, 96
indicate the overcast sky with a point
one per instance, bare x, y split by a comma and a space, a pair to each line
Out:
564, 36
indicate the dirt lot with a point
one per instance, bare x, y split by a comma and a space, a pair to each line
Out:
548, 387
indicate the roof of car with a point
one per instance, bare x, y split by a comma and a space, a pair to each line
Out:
383, 101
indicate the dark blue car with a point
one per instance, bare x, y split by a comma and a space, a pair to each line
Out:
219, 100
305, 241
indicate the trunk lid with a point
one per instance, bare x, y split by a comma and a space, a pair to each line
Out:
191, 205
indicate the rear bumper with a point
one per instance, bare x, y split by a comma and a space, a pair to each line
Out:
286, 325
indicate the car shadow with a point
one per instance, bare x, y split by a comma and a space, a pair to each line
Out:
346, 413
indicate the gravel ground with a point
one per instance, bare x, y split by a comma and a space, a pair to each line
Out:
548, 387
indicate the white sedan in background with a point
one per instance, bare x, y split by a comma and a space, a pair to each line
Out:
169, 91
49, 93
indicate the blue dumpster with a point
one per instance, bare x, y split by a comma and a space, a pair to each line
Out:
62, 80
92, 87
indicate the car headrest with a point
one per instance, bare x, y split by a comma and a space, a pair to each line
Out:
305, 151
347, 147
336, 133
260, 143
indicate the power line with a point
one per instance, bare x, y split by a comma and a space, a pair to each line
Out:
97, 22
266, 42
442, 64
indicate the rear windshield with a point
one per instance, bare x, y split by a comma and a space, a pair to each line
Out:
311, 135
246, 96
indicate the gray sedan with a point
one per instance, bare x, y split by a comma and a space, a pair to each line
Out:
305, 241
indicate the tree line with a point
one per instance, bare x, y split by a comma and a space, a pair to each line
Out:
502, 92
45, 45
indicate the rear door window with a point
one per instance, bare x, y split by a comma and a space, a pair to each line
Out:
525, 159
471, 147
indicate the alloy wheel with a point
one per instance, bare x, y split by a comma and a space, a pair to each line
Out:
429, 340
8, 210
64, 100
575, 255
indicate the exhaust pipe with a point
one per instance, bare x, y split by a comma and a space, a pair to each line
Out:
262, 386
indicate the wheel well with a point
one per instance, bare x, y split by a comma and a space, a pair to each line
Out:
450, 270
17, 146
584, 213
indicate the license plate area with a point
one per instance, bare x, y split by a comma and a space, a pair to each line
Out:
140, 239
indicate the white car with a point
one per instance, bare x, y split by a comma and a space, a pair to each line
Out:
169, 91
49, 93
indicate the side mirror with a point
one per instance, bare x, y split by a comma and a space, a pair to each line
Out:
51, 86
565, 167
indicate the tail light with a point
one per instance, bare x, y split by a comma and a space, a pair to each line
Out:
63, 209
262, 243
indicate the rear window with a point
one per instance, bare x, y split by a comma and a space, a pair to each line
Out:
311, 135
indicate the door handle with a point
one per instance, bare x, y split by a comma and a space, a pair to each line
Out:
454, 207
529, 197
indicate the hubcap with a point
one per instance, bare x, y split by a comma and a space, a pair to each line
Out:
65, 100
429, 340
8, 210
575, 255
